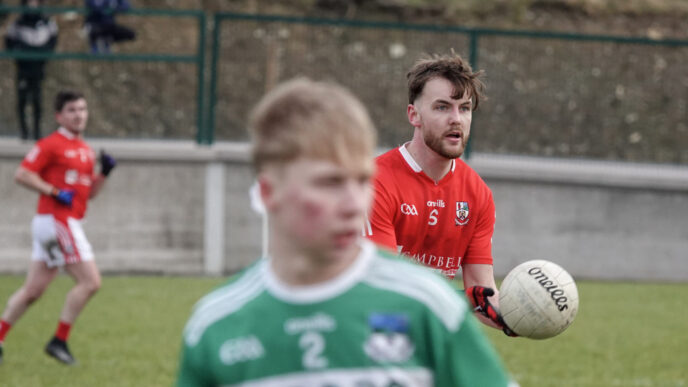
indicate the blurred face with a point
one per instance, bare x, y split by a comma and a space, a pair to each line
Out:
318, 206
33, 3
444, 122
73, 116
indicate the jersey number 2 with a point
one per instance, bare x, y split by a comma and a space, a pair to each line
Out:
313, 344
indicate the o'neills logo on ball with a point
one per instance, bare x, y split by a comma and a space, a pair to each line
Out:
555, 292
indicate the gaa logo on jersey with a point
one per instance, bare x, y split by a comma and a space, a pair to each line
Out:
241, 349
461, 214
409, 209
388, 341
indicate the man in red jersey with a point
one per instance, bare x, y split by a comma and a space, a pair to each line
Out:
60, 169
430, 205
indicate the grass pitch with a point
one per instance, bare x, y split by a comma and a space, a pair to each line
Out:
625, 334
128, 335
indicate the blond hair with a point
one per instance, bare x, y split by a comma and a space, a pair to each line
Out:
304, 118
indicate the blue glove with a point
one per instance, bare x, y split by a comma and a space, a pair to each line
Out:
64, 196
107, 163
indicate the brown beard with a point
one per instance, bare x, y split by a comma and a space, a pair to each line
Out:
435, 143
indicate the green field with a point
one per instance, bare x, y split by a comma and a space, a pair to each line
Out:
625, 335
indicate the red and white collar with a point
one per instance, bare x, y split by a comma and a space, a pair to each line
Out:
65, 132
412, 163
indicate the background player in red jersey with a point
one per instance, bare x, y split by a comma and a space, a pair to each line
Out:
430, 205
60, 169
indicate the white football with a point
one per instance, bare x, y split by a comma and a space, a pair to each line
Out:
538, 299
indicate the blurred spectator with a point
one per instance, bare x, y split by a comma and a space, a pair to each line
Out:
31, 32
3, 14
101, 26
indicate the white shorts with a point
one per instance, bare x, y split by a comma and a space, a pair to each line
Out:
57, 243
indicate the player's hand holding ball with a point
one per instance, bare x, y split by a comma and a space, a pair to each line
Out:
538, 299
64, 196
478, 296
107, 163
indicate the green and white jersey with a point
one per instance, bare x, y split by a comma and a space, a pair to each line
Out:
383, 322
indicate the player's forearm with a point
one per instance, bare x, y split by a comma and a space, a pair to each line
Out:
97, 185
482, 275
33, 181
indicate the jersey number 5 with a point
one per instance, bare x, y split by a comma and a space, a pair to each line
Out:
433, 217
313, 344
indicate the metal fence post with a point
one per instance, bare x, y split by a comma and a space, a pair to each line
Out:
473, 60
202, 135
214, 59
214, 220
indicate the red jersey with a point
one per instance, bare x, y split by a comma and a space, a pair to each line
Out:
441, 225
66, 162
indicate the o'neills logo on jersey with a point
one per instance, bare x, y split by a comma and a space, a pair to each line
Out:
461, 214
409, 209
318, 322
437, 203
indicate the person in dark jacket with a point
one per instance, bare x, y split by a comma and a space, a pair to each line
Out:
101, 26
3, 14
31, 32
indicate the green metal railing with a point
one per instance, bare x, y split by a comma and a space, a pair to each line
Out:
198, 58
228, 52
474, 46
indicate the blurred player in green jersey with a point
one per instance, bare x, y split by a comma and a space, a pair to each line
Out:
325, 307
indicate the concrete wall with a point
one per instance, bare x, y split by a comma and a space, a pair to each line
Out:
151, 216
598, 220
176, 208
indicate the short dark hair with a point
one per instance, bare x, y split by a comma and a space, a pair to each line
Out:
450, 67
65, 96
